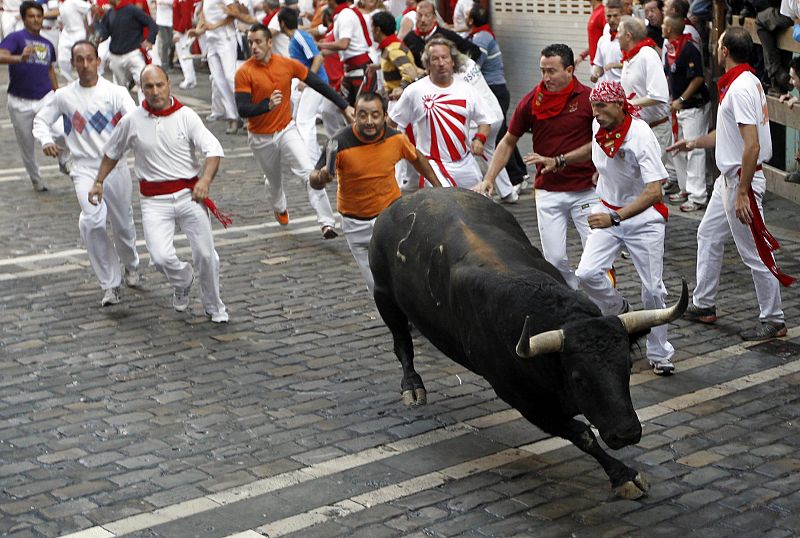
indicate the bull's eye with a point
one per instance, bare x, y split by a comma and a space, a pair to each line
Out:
577, 378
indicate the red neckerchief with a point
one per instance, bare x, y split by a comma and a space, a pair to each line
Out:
409, 10
675, 46
628, 55
482, 28
388, 40
426, 36
547, 104
611, 141
729, 76
341, 7
268, 18
612, 34
175, 106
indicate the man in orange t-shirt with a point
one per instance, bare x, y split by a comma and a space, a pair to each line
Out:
364, 156
263, 86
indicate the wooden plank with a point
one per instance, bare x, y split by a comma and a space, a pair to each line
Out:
785, 40
782, 114
776, 184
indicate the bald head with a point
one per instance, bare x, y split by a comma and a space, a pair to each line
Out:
155, 85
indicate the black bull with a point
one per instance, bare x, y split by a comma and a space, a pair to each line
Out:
460, 268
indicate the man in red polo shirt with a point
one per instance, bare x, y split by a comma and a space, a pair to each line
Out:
558, 114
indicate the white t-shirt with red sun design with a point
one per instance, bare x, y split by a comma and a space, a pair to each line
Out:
441, 117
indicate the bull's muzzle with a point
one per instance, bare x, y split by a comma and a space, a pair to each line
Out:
634, 322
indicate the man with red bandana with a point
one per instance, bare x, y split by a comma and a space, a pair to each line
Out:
742, 143
165, 138
558, 114
630, 216
353, 43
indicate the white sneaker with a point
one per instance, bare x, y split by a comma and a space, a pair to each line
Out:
180, 299
211, 118
131, 278
111, 297
187, 85
66, 166
511, 198
219, 317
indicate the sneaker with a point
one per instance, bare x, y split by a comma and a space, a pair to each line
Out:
187, 85
793, 177
180, 298
764, 331
39, 186
524, 186
510, 198
131, 277
66, 167
219, 317
282, 218
110, 297
700, 315
663, 369
328, 232
211, 118
678, 197
233, 127
670, 187
688, 207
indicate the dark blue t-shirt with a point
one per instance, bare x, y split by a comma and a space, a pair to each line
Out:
31, 79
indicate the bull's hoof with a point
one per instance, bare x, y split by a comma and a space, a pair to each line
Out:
415, 397
633, 489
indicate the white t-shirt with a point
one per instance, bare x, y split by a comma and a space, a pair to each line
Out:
460, 15
280, 41
623, 177
73, 16
471, 73
348, 25
165, 148
164, 13
790, 8
441, 117
90, 116
643, 75
608, 52
214, 12
744, 103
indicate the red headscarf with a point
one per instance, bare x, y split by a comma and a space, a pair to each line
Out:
609, 91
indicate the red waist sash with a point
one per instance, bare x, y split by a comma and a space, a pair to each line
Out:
156, 188
658, 206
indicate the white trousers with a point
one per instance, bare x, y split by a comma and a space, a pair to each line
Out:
643, 237
465, 173
127, 67
718, 223
502, 181
306, 120
270, 151
690, 167
553, 211
222, 66
183, 49
106, 254
332, 118
10, 21
358, 234
160, 214
65, 42
21, 113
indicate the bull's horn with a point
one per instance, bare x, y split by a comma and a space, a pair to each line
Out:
645, 319
539, 344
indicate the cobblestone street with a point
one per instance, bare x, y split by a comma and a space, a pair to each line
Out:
141, 421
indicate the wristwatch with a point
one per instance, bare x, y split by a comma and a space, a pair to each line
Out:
615, 218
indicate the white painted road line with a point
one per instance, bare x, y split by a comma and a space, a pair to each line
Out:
417, 484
